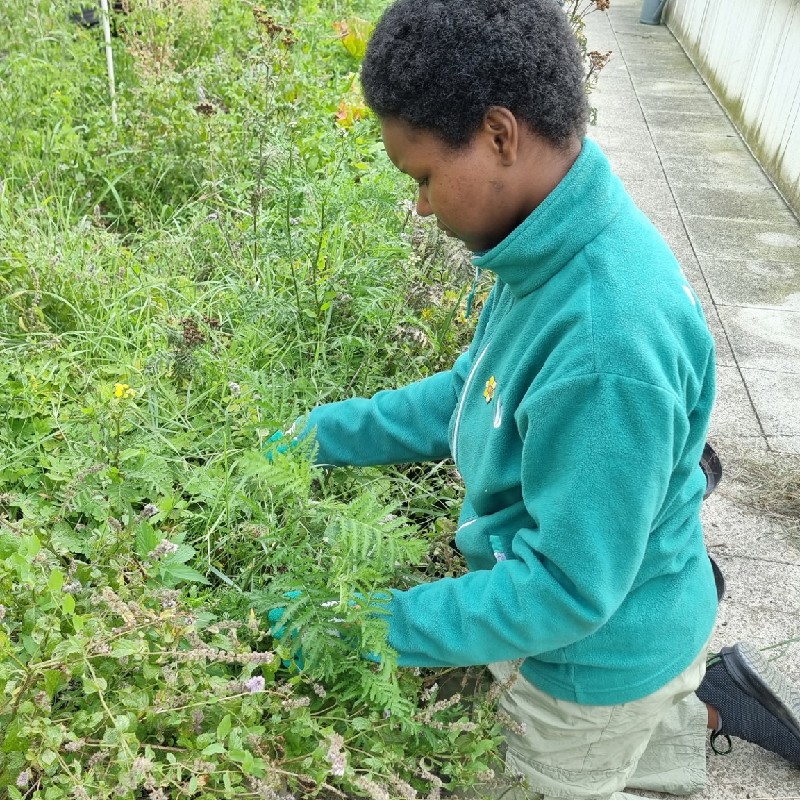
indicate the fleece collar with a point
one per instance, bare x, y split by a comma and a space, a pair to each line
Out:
585, 201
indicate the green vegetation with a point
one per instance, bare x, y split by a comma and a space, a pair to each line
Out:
174, 288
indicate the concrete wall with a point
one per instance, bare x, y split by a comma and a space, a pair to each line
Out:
748, 51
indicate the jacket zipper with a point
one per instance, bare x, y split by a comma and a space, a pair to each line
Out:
463, 400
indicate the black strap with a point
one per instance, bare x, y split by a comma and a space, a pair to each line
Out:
712, 469
717, 735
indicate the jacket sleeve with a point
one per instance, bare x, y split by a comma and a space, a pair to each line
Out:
392, 427
396, 426
597, 460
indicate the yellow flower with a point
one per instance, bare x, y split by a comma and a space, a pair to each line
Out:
123, 392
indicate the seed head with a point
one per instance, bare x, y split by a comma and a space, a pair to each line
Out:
164, 548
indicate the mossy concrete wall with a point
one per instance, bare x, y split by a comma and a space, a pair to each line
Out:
748, 51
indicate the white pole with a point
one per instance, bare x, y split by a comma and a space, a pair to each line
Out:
109, 58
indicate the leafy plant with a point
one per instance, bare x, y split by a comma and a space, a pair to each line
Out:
121, 673
173, 289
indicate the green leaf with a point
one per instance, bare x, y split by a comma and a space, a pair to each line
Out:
92, 685
68, 604
8, 544
124, 648
147, 539
33, 546
64, 539
224, 727
54, 680
122, 722
215, 747
183, 554
224, 578
56, 580
175, 573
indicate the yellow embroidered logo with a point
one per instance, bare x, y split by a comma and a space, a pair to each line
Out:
488, 392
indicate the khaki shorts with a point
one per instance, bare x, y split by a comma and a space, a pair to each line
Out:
578, 752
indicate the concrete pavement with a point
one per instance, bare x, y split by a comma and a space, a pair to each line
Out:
739, 245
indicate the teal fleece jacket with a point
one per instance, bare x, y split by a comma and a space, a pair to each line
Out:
577, 419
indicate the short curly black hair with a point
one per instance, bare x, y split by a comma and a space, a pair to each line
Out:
440, 65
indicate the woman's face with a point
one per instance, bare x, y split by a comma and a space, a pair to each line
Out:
463, 187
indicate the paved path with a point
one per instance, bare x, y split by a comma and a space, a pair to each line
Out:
739, 244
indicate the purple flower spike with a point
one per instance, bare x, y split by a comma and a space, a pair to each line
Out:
255, 684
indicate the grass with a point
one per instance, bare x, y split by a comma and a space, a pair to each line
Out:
770, 484
173, 289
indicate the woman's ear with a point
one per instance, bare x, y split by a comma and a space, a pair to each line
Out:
502, 132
